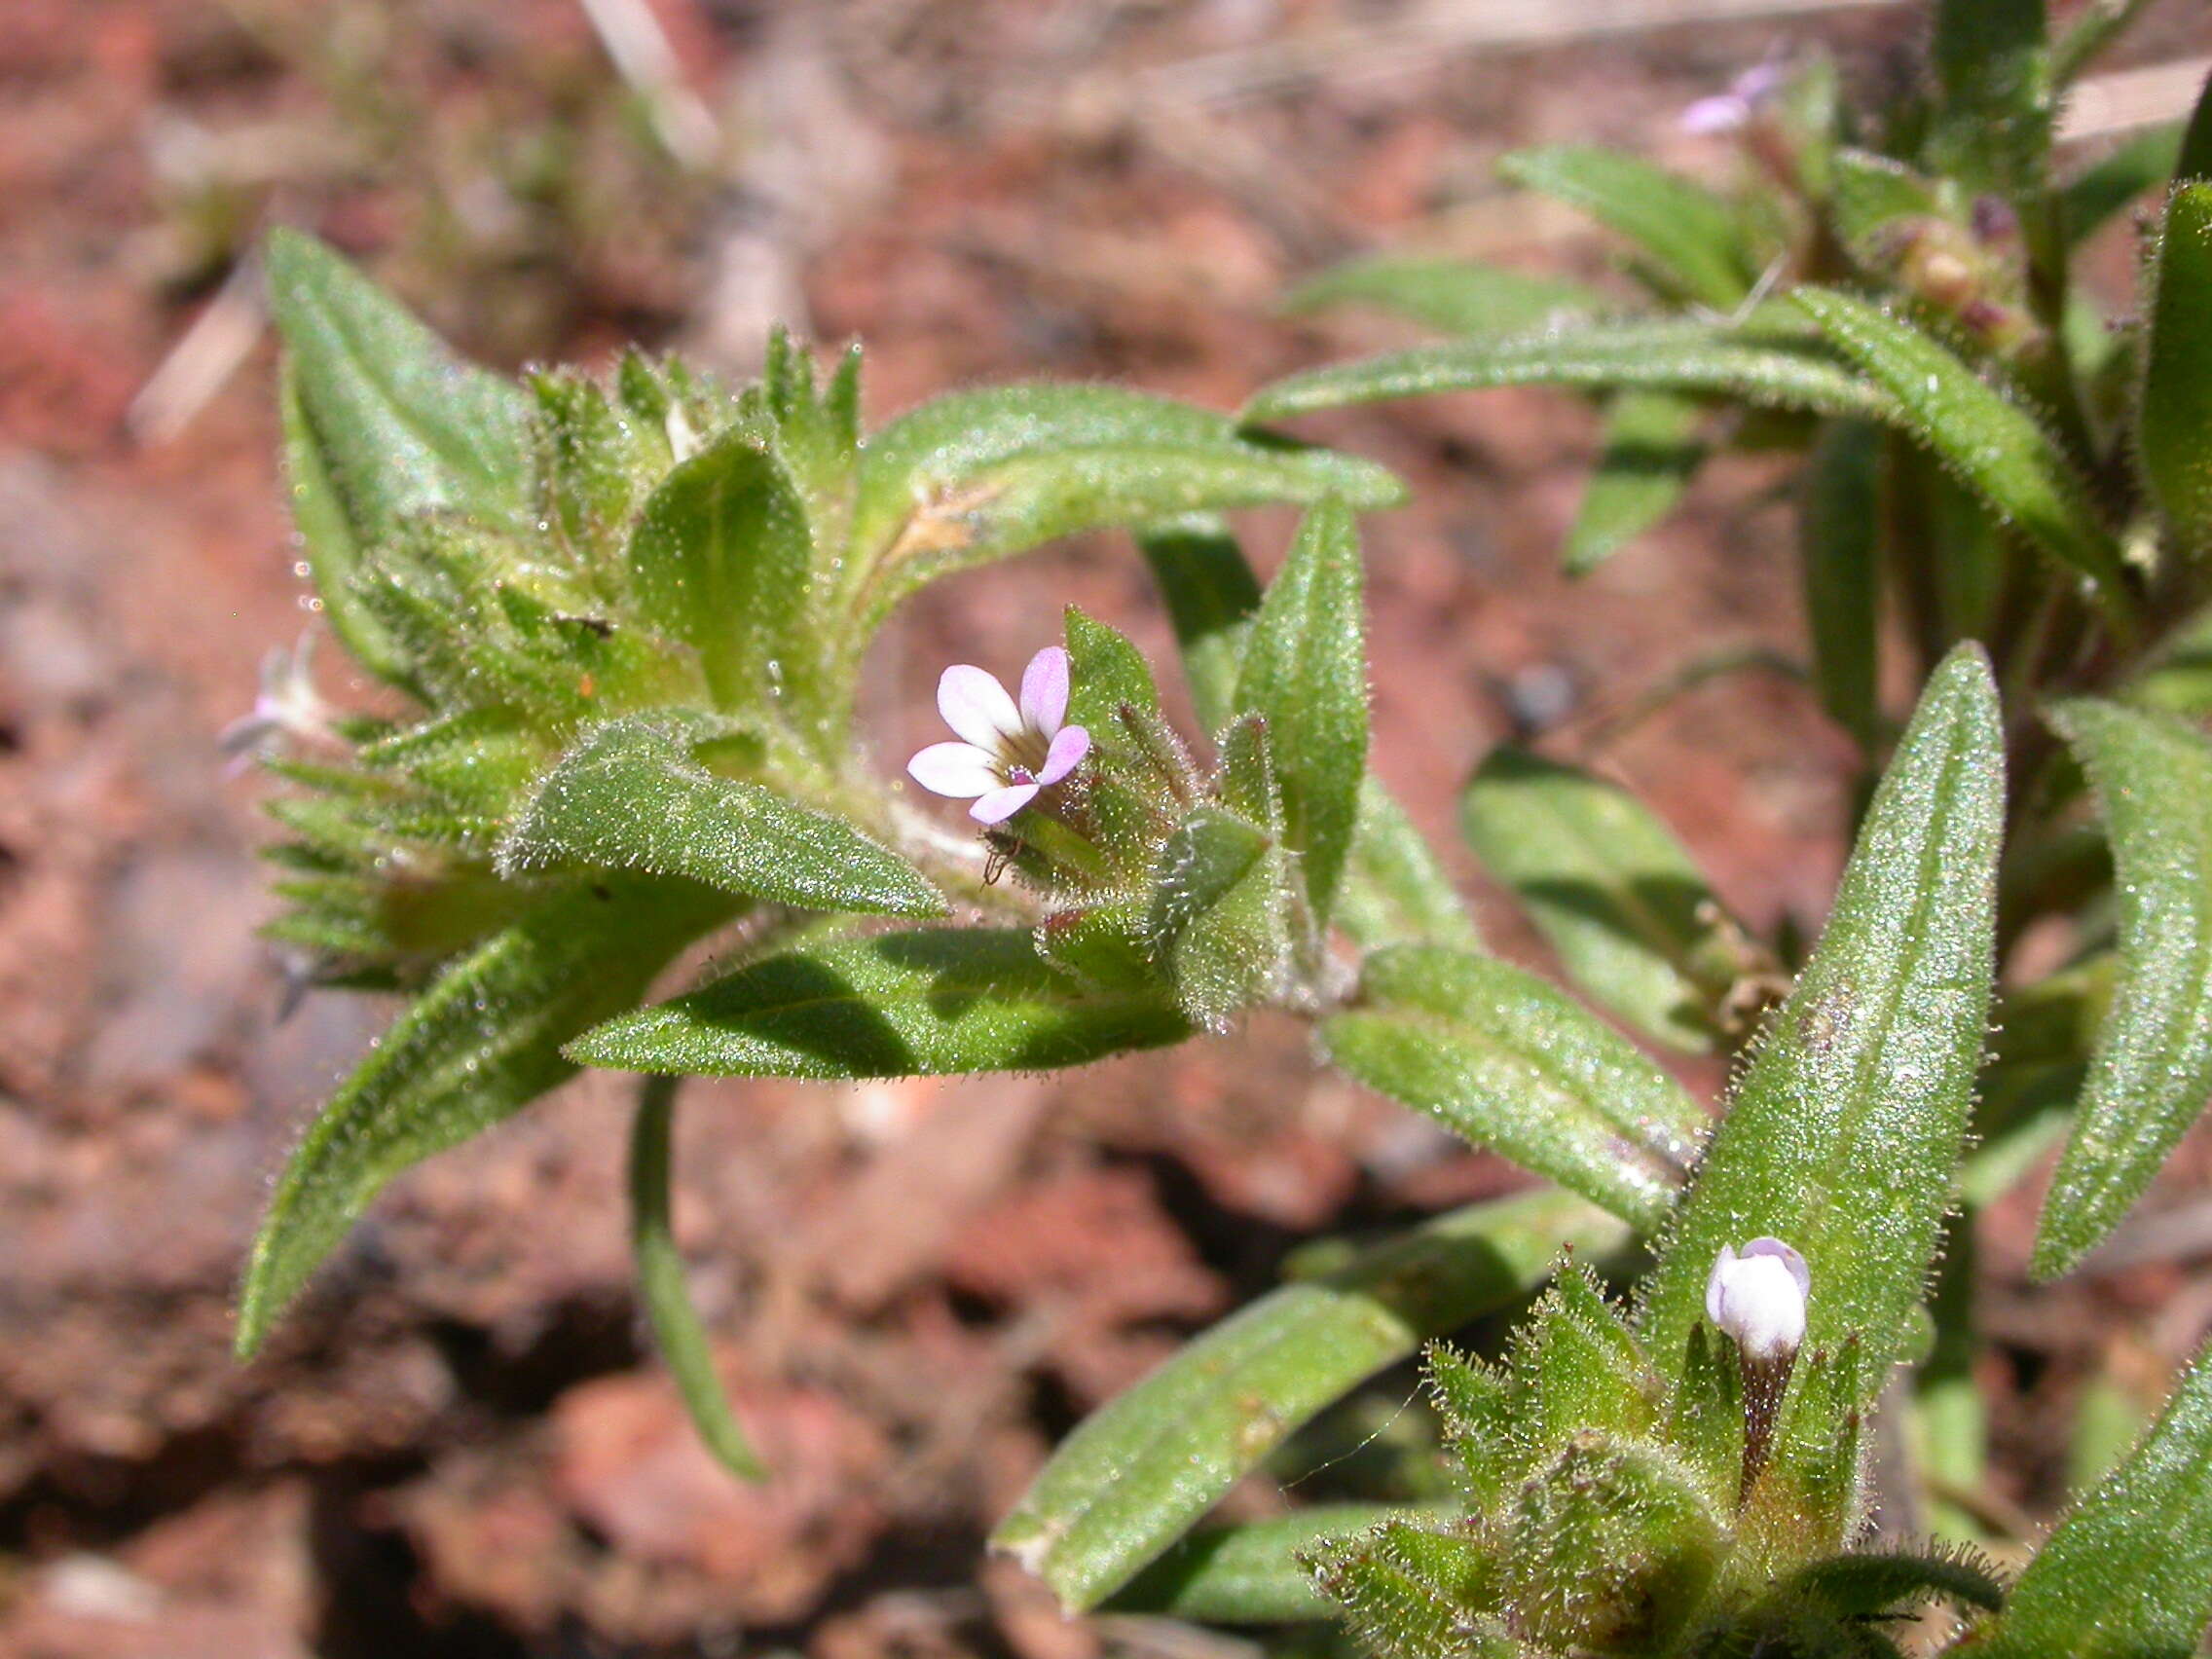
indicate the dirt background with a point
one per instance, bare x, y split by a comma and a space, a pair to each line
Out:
458, 1446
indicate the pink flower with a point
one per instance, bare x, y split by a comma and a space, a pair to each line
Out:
1745, 96
1006, 755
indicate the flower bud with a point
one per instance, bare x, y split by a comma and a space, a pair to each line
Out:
1757, 1297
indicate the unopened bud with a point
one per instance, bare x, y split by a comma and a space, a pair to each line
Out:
1757, 1297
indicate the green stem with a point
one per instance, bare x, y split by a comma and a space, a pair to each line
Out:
677, 1329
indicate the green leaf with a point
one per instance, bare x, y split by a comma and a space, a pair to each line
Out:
914, 1004
1211, 595
1504, 1062
678, 1330
630, 797
723, 559
1846, 1130
1994, 94
1254, 1573
1649, 454
1127, 1482
381, 421
1761, 362
1105, 671
1839, 528
1691, 236
2173, 431
2128, 1573
1304, 673
2091, 197
1395, 891
400, 425
2151, 1070
482, 1043
1450, 295
1995, 446
1608, 885
980, 475
1217, 922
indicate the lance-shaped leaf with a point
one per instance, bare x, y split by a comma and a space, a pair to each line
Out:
1504, 1062
2194, 160
1771, 364
482, 1043
1845, 1131
1995, 446
1608, 886
2152, 1071
630, 797
1993, 75
722, 558
2173, 417
1304, 673
1450, 295
2128, 1573
1134, 1477
1690, 237
979, 475
1649, 454
1257, 1572
1870, 194
1839, 530
915, 1004
380, 421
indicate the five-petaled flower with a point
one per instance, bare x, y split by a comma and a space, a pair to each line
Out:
1757, 1296
1006, 754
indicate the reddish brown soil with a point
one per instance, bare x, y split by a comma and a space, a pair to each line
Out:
458, 1446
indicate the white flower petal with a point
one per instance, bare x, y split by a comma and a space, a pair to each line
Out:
1044, 691
1066, 754
975, 706
957, 769
1758, 1298
1002, 804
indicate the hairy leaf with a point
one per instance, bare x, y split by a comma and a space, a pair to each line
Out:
1503, 1060
1211, 595
1993, 108
630, 797
2173, 421
2128, 1573
2152, 1071
482, 1043
381, 421
1845, 1131
723, 559
1304, 673
1995, 445
914, 1004
1127, 1482
1761, 362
